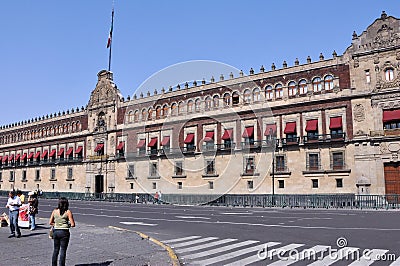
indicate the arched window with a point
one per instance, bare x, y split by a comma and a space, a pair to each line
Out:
144, 115
165, 110
256, 95
158, 112
215, 101
129, 117
181, 108
235, 98
317, 85
278, 91
247, 96
207, 103
227, 100
389, 74
292, 88
197, 105
150, 114
269, 92
303, 86
190, 106
174, 110
136, 116
328, 82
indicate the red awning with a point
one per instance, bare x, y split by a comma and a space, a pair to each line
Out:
270, 130
99, 147
37, 155
312, 125
209, 136
248, 132
290, 128
165, 141
5, 158
120, 145
23, 156
44, 154
1, 158
30, 155
60, 152
228, 134
52, 153
189, 138
69, 151
141, 143
153, 142
392, 115
336, 122
17, 157
11, 157
79, 150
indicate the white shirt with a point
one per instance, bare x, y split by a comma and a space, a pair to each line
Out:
14, 201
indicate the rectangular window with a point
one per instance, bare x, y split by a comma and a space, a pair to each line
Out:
337, 160
281, 183
11, 175
313, 161
154, 185
280, 165
24, 175
153, 169
1, 176
210, 167
178, 168
131, 185
210, 184
131, 171
69, 174
249, 165
53, 173
37, 176
250, 184
70, 186
179, 185
339, 182
314, 183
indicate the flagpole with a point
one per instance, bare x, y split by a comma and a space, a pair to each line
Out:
109, 55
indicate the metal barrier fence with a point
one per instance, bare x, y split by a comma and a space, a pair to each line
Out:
348, 201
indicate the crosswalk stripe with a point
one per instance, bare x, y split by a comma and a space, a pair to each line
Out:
334, 256
368, 259
180, 239
200, 247
193, 242
235, 254
396, 262
262, 255
303, 255
218, 250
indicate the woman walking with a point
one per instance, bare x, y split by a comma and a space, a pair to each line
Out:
61, 219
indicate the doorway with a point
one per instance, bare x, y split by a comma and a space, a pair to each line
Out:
99, 184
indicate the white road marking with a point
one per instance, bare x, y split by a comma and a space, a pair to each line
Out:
234, 254
333, 257
138, 223
262, 256
236, 213
369, 258
193, 217
180, 239
396, 262
303, 255
218, 250
193, 242
200, 247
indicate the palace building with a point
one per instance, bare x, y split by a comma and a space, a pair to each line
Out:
331, 126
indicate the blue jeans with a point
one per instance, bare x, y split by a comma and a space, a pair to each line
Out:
32, 221
61, 240
14, 222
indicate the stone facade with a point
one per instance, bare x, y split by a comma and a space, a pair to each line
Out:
327, 127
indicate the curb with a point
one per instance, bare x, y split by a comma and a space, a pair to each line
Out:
171, 253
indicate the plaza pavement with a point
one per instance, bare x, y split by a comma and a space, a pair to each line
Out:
89, 245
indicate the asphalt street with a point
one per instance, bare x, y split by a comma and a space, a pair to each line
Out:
202, 235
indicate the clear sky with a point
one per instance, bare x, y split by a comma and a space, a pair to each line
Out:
51, 51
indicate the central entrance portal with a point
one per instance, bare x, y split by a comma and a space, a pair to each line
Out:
99, 184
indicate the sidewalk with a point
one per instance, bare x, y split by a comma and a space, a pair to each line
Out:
88, 245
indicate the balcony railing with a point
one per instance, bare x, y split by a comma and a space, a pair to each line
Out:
290, 141
324, 138
226, 146
188, 149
